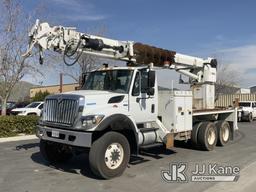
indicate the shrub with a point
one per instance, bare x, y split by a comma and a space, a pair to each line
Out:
40, 96
14, 125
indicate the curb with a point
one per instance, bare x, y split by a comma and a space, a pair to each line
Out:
17, 138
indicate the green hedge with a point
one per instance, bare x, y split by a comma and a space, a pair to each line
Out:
14, 125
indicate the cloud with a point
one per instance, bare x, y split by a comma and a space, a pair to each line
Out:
242, 59
84, 17
219, 37
251, 71
75, 10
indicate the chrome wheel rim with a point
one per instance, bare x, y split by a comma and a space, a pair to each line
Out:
211, 137
225, 134
114, 155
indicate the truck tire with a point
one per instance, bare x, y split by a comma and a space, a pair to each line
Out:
223, 132
109, 155
207, 136
55, 152
250, 118
194, 134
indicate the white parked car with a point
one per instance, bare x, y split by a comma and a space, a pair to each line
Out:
34, 108
247, 111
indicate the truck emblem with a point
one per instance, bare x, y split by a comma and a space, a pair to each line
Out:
59, 99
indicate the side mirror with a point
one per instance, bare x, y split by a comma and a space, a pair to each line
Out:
151, 91
151, 79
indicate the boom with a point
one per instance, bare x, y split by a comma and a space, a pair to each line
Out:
72, 44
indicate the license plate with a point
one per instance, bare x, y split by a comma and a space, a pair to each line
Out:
55, 134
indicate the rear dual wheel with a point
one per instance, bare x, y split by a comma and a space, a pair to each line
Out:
224, 133
194, 135
208, 134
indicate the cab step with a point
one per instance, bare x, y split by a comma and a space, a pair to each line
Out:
151, 145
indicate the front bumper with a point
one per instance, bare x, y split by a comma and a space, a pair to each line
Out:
15, 112
244, 114
22, 114
74, 138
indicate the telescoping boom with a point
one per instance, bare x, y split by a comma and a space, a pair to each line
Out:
72, 44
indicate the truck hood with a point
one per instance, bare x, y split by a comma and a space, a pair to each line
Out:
245, 108
24, 109
91, 92
93, 97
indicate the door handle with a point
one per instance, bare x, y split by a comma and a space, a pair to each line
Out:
153, 108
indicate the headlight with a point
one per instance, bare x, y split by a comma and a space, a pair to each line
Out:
91, 121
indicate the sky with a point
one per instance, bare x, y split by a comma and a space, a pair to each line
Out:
224, 29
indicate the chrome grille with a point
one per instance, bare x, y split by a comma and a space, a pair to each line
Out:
60, 111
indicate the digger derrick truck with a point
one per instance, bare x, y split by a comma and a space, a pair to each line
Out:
119, 110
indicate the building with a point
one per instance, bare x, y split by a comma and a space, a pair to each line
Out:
52, 89
221, 89
227, 89
244, 91
253, 89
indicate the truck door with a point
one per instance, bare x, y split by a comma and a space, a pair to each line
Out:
142, 107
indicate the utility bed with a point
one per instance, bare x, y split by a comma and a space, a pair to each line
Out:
177, 114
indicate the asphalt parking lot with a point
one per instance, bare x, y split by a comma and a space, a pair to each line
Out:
22, 168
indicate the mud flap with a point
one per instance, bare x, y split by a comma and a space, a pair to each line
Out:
169, 141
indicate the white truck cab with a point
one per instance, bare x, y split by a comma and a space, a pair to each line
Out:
124, 104
247, 110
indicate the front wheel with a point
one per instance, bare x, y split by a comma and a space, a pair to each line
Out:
109, 155
250, 118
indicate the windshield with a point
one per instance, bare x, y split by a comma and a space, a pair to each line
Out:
8, 105
32, 105
111, 80
244, 104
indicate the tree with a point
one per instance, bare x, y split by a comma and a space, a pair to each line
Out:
14, 28
227, 80
86, 63
40, 96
